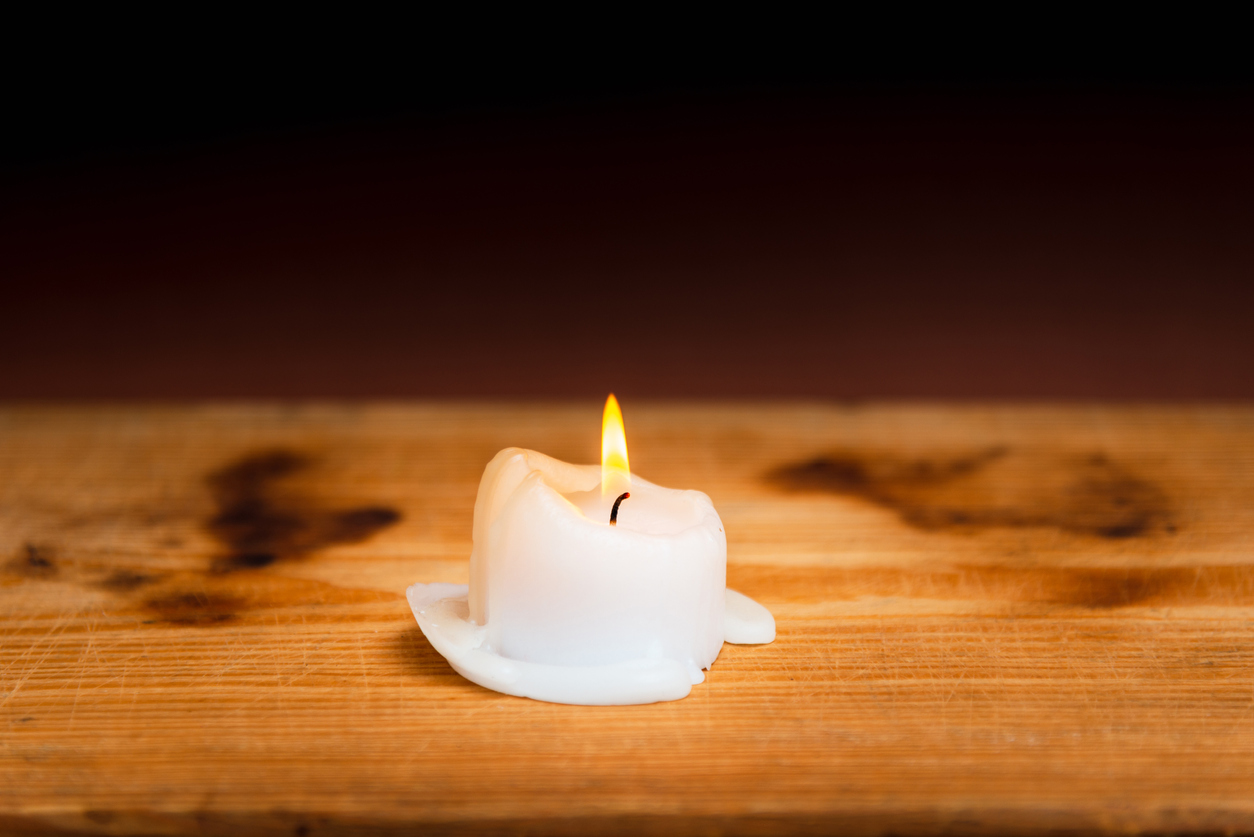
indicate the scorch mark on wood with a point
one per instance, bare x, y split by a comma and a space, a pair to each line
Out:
260, 525
195, 608
32, 562
993, 487
124, 581
1099, 588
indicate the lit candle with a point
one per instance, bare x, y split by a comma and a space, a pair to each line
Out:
589, 584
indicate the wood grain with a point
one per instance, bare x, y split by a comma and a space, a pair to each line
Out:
991, 619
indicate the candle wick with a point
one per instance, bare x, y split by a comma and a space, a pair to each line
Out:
614, 511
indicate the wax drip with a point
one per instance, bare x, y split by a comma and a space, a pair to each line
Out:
614, 511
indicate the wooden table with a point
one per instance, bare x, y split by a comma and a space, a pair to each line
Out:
990, 619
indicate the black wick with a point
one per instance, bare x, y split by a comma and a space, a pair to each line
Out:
614, 511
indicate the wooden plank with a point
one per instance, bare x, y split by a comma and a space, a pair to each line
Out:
990, 619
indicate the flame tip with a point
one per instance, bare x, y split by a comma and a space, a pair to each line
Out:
613, 443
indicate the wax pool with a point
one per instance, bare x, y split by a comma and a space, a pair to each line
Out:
565, 607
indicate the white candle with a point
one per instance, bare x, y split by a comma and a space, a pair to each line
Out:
567, 605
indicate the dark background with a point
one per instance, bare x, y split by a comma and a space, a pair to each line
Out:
203, 225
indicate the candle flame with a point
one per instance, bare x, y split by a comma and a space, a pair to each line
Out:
614, 467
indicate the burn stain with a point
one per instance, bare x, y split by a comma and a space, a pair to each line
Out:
260, 525
125, 581
1103, 588
199, 609
33, 562
1096, 588
1109, 588
994, 487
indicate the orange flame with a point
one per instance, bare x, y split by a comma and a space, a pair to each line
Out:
614, 468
